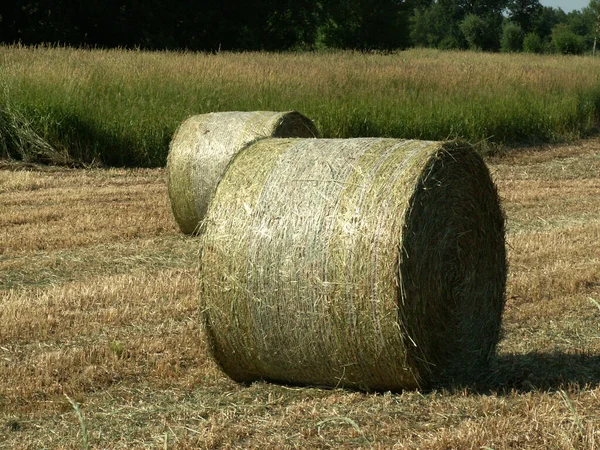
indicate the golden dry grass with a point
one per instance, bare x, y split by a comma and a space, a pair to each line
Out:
98, 301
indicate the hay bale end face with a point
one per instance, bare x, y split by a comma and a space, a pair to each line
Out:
203, 146
375, 264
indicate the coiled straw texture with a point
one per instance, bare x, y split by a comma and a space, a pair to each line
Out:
374, 264
203, 146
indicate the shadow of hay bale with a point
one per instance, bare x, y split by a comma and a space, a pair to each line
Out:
542, 371
373, 264
204, 145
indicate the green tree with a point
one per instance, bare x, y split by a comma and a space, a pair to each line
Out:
566, 42
366, 24
579, 23
545, 19
512, 37
288, 24
522, 12
459, 9
592, 11
8, 14
153, 24
532, 43
427, 27
489, 11
439, 23
476, 32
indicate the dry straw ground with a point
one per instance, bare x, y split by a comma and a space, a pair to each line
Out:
97, 300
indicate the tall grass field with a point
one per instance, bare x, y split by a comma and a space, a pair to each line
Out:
120, 108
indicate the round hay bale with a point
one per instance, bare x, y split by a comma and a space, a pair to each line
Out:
203, 146
374, 264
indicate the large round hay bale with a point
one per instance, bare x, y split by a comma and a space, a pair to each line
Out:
375, 264
203, 146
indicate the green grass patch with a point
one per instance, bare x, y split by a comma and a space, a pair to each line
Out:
121, 108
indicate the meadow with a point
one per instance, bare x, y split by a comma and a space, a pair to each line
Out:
99, 320
120, 108
98, 301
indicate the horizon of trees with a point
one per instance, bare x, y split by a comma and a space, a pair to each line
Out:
211, 25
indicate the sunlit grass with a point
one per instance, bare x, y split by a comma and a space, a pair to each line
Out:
122, 107
99, 301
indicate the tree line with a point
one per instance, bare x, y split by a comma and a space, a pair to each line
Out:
280, 25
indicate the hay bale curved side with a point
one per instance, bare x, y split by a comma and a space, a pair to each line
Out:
375, 264
203, 146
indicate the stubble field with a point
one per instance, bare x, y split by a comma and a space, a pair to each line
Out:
98, 301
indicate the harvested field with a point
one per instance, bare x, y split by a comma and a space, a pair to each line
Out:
98, 301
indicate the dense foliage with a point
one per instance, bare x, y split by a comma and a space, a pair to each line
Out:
213, 25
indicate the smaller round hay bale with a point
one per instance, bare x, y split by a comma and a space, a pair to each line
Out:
203, 146
376, 264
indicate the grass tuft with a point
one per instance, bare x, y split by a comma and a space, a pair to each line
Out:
84, 434
347, 420
19, 141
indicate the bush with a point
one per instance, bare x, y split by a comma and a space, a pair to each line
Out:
480, 33
532, 43
449, 43
475, 30
512, 38
566, 42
